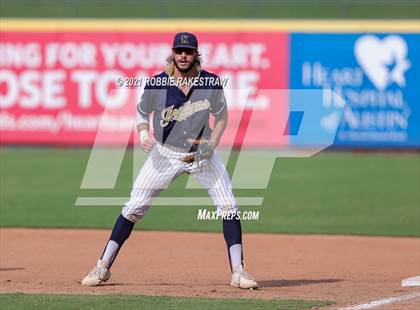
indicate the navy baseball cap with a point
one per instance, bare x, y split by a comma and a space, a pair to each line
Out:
185, 40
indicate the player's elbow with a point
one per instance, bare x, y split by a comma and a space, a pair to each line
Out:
222, 116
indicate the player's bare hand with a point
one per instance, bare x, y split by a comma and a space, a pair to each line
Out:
148, 144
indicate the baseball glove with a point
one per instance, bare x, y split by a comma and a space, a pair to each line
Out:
204, 151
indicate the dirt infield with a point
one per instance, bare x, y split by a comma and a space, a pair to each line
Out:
346, 269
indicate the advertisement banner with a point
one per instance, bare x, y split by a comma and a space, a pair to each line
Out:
377, 75
55, 85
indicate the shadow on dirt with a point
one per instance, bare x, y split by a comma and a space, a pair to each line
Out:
283, 283
12, 269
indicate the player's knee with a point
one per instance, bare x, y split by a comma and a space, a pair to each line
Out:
133, 215
134, 210
230, 207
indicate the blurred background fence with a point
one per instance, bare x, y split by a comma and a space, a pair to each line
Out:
377, 73
376, 69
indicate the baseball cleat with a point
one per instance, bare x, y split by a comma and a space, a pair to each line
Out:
242, 279
100, 273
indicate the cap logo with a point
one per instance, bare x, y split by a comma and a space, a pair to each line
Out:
185, 39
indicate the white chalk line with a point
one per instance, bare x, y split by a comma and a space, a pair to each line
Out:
384, 301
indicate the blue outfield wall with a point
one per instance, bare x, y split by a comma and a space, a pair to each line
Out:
377, 75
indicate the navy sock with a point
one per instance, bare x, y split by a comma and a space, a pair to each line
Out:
232, 232
121, 231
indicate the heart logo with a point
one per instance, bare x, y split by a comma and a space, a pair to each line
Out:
383, 61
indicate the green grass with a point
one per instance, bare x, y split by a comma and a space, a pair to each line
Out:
331, 193
112, 302
207, 9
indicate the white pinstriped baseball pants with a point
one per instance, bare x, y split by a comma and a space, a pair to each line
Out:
162, 166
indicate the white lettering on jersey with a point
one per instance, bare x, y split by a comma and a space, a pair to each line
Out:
189, 108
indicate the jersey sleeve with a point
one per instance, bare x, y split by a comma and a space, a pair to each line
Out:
145, 106
218, 103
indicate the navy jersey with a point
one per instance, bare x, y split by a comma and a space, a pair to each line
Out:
179, 117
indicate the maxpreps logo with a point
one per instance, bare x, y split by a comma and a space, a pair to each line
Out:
383, 61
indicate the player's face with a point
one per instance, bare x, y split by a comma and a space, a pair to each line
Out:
184, 58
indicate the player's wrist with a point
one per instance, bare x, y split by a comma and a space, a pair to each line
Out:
144, 135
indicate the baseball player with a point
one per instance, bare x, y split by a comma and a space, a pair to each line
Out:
183, 142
